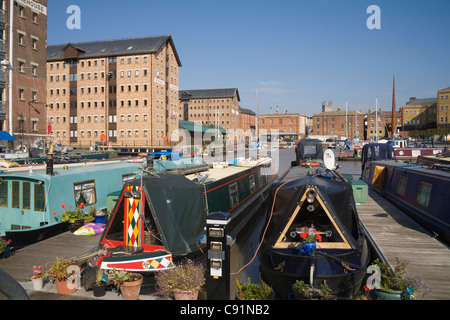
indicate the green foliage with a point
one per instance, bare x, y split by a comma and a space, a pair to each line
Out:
186, 275
399, 280
301, 289
58, 269
253, 291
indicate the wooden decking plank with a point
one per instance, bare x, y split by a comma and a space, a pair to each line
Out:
66, 245
397, 235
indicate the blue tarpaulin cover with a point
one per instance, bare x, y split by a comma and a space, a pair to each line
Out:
5, 136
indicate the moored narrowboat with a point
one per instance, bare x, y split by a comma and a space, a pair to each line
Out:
31, 198
162, 217
420, 190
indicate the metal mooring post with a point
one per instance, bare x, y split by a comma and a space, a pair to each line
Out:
218, 262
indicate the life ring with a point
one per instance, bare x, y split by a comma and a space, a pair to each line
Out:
310, 164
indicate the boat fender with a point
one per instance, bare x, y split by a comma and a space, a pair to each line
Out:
202, 239
11, 288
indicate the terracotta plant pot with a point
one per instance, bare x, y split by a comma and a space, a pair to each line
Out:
131, 289
186, 294
62, 286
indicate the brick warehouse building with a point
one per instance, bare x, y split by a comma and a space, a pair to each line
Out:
211, 107
290, 125
125, 91
23, 71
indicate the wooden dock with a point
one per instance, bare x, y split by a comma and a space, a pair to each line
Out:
66, 245
398, 236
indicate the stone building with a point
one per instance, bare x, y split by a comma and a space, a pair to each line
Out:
443, 103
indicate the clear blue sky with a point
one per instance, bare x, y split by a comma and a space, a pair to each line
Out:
296, 52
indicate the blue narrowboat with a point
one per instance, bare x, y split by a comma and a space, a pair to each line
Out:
31, 198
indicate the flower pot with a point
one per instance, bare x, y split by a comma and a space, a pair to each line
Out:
186, 294
38, 284
305, 297
100, 219
131, 289
99, 289
330, 297
64, 287
77, 224
383, 294
308, 246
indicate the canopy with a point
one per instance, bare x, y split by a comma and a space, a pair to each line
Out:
5, 136
176, 204
310, 149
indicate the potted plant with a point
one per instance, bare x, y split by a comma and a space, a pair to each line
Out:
5, 249
99, 287
310, 238
302, 290
397, 284
38, 278
100, 217
74, 218
253, 291
128, 283
184, 280
59, 270
325, 291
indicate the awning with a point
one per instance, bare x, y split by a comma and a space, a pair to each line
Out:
5, 136
192, 127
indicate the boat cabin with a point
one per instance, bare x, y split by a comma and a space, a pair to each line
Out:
31, 198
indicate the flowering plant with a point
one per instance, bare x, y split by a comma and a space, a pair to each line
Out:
311, 236
186, 275
37, 272
71, 215
398, 279
3, 245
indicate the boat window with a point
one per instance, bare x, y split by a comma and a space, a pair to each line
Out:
128, 177
234, 194
401, 188
85, 193
15, 194
311, 213
3, 193
26, 204
424, 193
39, 197
251, 179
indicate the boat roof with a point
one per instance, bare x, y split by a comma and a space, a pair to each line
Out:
39, 172
217, 173
437, 170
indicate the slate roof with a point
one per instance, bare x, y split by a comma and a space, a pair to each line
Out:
210, 93
422, 102
116, 47
246, 111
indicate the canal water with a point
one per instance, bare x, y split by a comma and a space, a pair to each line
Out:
244, 257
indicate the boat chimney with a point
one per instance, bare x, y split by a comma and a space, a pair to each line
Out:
49, 163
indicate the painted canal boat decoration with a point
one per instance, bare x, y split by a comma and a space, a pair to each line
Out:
420, 190
31, 197
319, 203
162, 217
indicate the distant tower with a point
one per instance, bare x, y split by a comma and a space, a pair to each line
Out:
394, 112
327, 107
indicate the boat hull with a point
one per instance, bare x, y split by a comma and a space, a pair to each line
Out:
22, 238
146, 262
